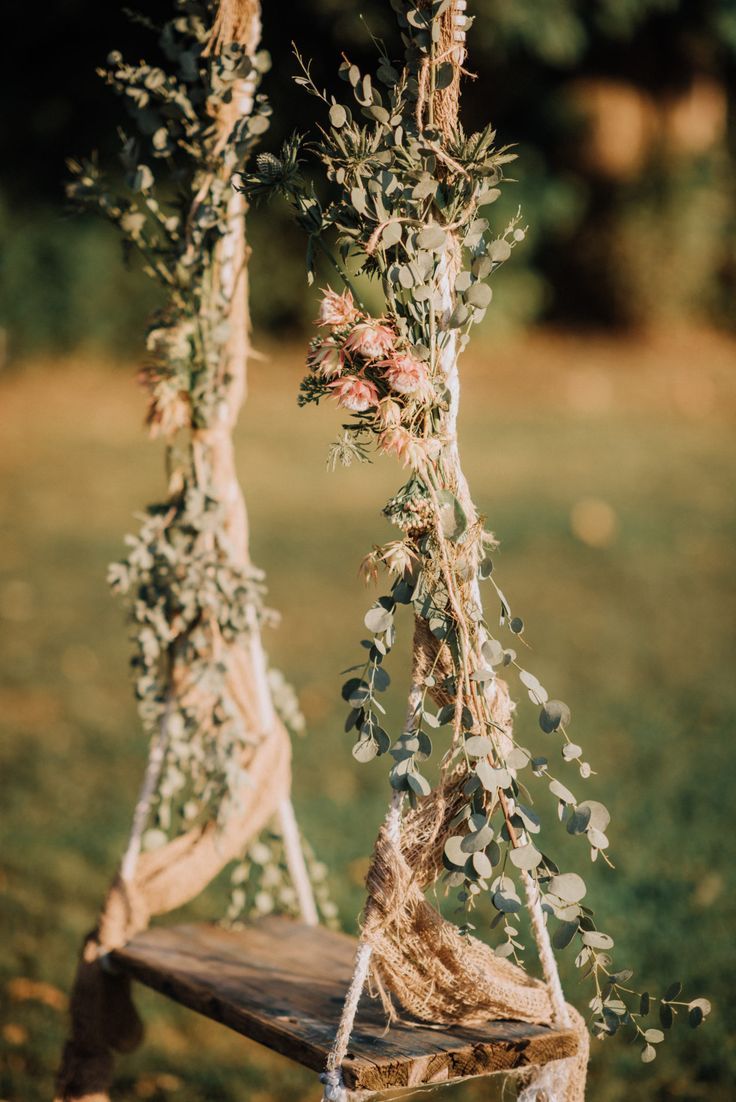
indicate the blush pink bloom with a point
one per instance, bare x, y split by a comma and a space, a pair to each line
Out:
336, 310
406, 374
326, 359
370, 339
355, 394
389, 412
403, 444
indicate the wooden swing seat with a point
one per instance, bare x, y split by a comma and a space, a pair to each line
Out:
283, 985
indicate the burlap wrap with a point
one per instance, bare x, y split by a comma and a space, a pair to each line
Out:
103, 1018
434, 972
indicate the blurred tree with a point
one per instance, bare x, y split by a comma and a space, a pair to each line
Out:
619, 108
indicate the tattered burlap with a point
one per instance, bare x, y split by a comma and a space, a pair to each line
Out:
103, 1018
435, 972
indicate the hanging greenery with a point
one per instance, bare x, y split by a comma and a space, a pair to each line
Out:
409, 198
190, 590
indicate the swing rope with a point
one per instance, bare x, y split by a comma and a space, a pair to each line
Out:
103, 1017
407, 947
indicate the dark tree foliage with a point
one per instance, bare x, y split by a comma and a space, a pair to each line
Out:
526, 55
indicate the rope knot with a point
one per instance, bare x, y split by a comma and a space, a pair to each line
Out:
333, 1086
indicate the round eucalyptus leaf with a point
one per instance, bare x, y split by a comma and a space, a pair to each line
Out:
391, 234
432, 237
454, 852
597, 838
424, 746
478, 746
481, 267
365, 750
378, 619
525, 857
479, 295
599, 814
507, 904
564, 934
579, 821
491, 778
673, 991
653, 1036
463, 281
493, 652
419, 784
597, 940
516, 624
499, 250
477, 839
529, 818
554, 714
648, 1054
459, 316
666, 1016
381, 679
406, 277
338, 115
518, 758
557, 789
356, 691
482, 865
570, 887
486, 568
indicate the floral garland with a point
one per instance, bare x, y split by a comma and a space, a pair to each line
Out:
406, 193
190, 596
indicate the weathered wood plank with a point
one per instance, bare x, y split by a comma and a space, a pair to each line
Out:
283, 984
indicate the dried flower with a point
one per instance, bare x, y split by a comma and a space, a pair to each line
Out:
389, 412
370, 339
403, 444
355, 394
398, 557
368, 568
336, 310
326, 359
406, 374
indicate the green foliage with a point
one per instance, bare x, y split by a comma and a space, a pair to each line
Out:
189, 599
407, 188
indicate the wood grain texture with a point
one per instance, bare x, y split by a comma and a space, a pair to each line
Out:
283, 984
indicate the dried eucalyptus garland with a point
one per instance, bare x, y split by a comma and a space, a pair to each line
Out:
408, 189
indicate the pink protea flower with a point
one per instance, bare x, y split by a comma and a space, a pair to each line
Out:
370, 339
403, 444
406, 374
326, 359
389, 412
355, 394
336, 310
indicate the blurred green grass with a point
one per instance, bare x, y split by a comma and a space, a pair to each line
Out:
631, 619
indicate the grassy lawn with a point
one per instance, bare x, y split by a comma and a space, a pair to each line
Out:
605, 468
